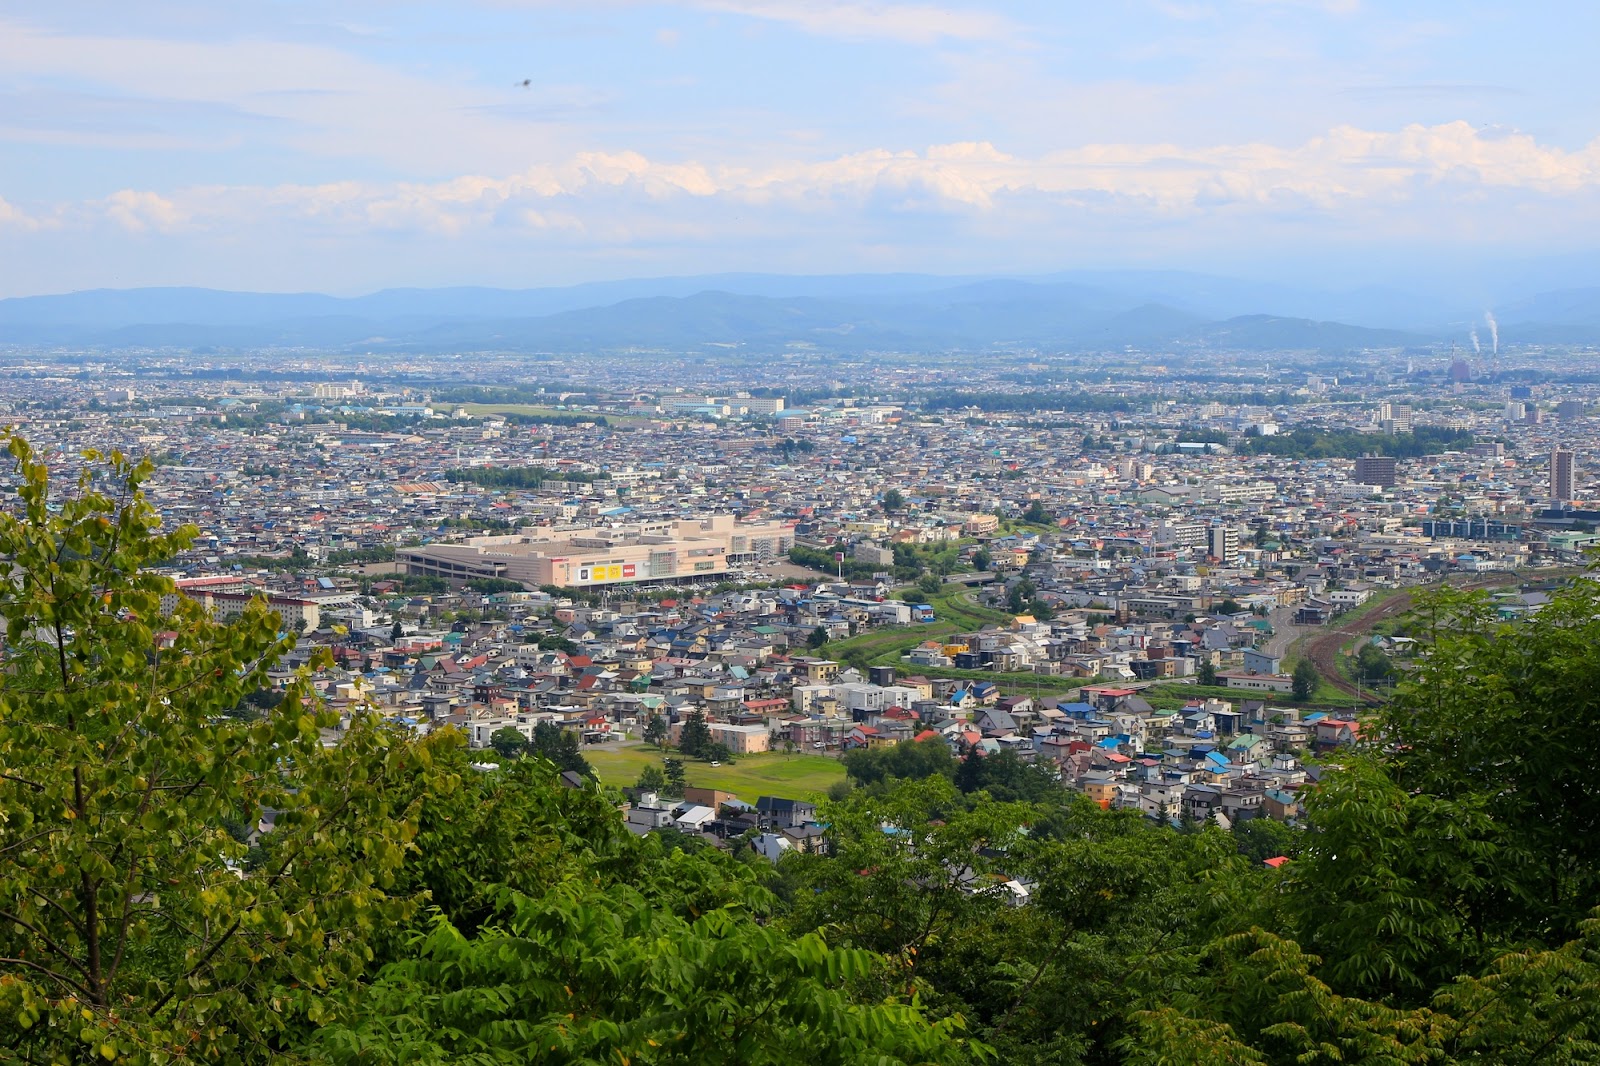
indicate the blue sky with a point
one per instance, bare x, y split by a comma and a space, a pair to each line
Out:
345, 146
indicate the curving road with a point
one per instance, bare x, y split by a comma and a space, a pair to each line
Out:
1284, 631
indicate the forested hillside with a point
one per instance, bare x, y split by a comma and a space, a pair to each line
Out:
188, 877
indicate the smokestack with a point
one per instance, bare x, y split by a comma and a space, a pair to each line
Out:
1494, 330
1477, 349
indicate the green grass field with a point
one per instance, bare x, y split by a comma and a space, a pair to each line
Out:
1017, 684
955, 603
884, 646
749, 777
1170, 696
954, 613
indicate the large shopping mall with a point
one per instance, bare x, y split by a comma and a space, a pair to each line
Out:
668, 552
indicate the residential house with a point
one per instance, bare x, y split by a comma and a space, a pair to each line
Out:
695, 819
778, 812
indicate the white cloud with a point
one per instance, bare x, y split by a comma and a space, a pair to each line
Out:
957, 207
1185, 12
1332, 7
909, 23
138, 212
13, 217
1347, 167
849, 20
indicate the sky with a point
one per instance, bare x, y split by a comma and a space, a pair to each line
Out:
345, 146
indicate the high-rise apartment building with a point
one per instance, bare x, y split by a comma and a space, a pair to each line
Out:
1562, 473
1378, 470
1224, 542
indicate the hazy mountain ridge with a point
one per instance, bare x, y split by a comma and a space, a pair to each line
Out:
843, 312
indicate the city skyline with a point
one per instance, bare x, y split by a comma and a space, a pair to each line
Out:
346, 148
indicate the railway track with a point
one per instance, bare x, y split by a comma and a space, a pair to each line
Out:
1324, 649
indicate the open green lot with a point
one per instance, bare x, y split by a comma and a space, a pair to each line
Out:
955, 612
1174, 695
750, 777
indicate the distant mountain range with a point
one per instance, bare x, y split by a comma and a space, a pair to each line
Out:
847, 313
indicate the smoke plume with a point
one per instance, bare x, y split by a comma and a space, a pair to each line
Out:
1494, 331
1477, 349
